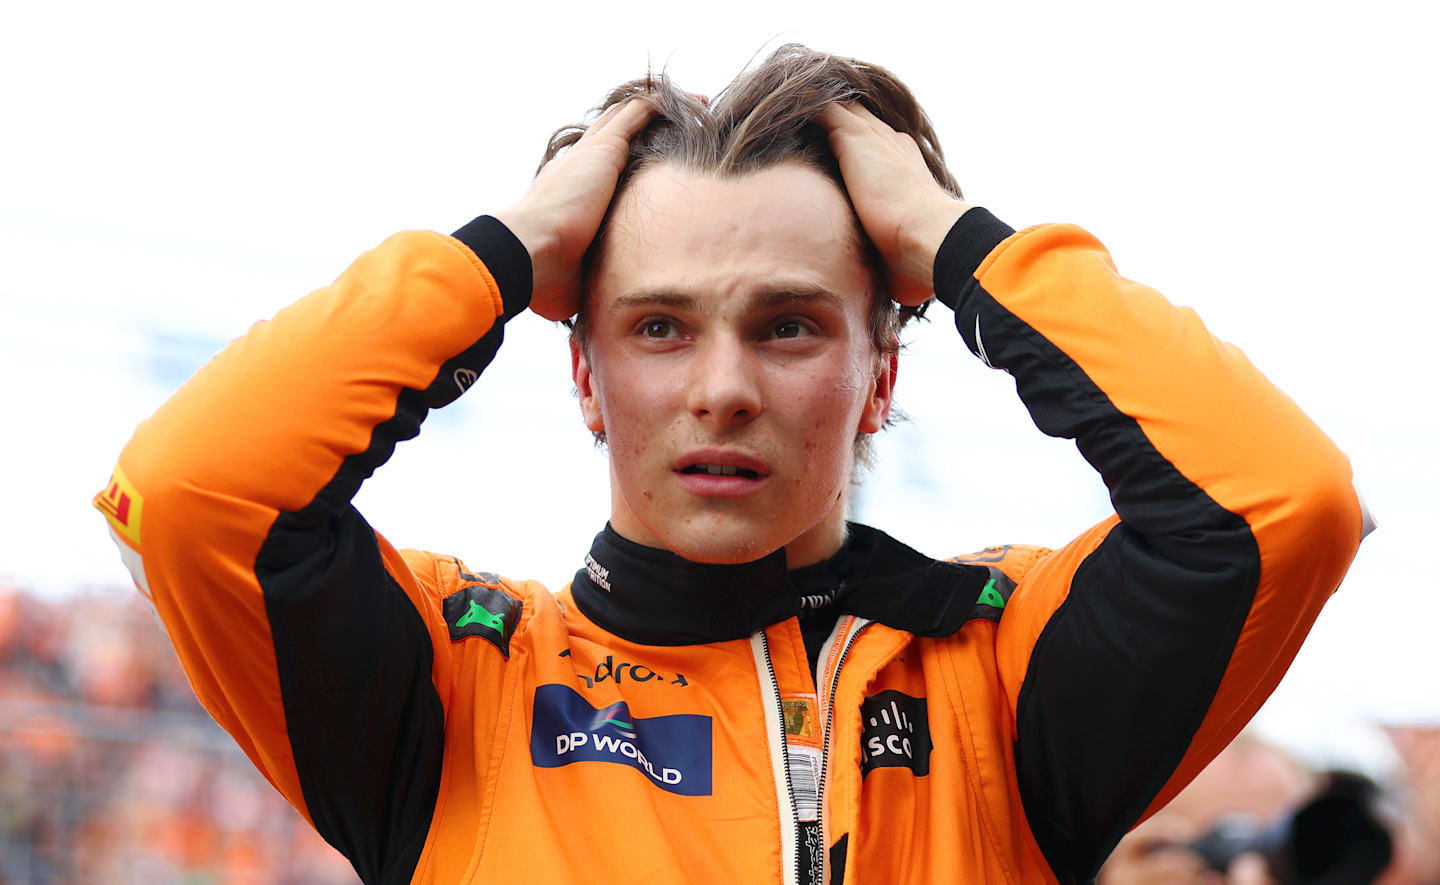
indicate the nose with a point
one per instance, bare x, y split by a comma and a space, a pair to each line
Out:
725, 389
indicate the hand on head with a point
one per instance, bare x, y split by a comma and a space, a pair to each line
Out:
906, 214
558, 217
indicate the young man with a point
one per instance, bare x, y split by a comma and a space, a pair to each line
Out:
737, 686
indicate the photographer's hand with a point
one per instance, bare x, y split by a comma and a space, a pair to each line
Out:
904, 211
557, 218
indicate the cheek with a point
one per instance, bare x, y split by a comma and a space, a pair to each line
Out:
635, 405
826, 403
822, 411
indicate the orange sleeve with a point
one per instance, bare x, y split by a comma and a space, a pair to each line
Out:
1134, 654
303, 632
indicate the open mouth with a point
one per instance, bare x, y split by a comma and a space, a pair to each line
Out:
721, 470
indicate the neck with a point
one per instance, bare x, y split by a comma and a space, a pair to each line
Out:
649, 595
821, 542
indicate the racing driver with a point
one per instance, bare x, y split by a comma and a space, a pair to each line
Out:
738, 685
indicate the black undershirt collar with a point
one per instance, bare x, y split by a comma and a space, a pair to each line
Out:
654, 597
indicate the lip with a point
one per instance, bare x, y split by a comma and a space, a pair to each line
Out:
722, 457
710, 486
707, 486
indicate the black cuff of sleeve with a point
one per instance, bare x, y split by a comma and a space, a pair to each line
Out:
972, 237
505, 257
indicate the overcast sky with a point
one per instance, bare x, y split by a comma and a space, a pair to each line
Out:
171, 173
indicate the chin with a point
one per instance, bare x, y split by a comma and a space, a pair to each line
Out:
727, 544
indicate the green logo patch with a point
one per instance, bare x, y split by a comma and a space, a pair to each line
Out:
990, 596
990, 602
486, 612
479, 614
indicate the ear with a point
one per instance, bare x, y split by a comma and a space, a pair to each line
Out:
585, 387
882, 394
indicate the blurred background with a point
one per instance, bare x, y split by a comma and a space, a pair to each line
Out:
172, 172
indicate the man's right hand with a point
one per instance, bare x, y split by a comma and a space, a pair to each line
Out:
558, 217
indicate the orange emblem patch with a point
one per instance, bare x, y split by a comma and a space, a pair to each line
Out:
801, 717
122, 503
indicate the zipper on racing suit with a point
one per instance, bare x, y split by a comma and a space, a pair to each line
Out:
827, 702
801, 868
790, 837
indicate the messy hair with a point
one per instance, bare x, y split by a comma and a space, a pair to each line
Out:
763, 118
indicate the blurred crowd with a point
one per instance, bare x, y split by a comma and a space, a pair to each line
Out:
1259, 816
110, 772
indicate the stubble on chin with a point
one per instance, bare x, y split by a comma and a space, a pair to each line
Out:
719, 539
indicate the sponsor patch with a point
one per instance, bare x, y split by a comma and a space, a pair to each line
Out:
485, 612
801, 717
463, 378
991, 602
673, 752
895, 733
122, 504
624, 671
598, 573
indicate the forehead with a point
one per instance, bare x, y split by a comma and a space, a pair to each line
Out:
691, 233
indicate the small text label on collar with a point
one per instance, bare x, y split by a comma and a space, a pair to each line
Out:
598, 573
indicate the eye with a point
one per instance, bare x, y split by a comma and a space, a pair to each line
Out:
792, 329
658, 328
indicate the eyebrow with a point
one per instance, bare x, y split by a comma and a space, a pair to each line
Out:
789, 295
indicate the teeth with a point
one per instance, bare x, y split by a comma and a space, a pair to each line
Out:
719, 470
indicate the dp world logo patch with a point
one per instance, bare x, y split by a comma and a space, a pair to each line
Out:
674, 752
895, 733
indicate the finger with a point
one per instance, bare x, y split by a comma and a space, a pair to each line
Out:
836, 117
853, 118
876, 124
635, 116
603, 120
623, 119
855, 112
858, 109
605, 117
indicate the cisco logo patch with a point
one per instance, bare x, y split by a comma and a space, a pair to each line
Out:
895, 733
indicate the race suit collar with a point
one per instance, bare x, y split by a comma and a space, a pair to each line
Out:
654, 597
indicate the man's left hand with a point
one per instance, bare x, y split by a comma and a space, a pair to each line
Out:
905, 212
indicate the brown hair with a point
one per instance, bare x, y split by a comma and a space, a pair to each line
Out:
765, 117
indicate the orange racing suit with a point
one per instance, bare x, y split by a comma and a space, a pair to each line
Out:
1002, 717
